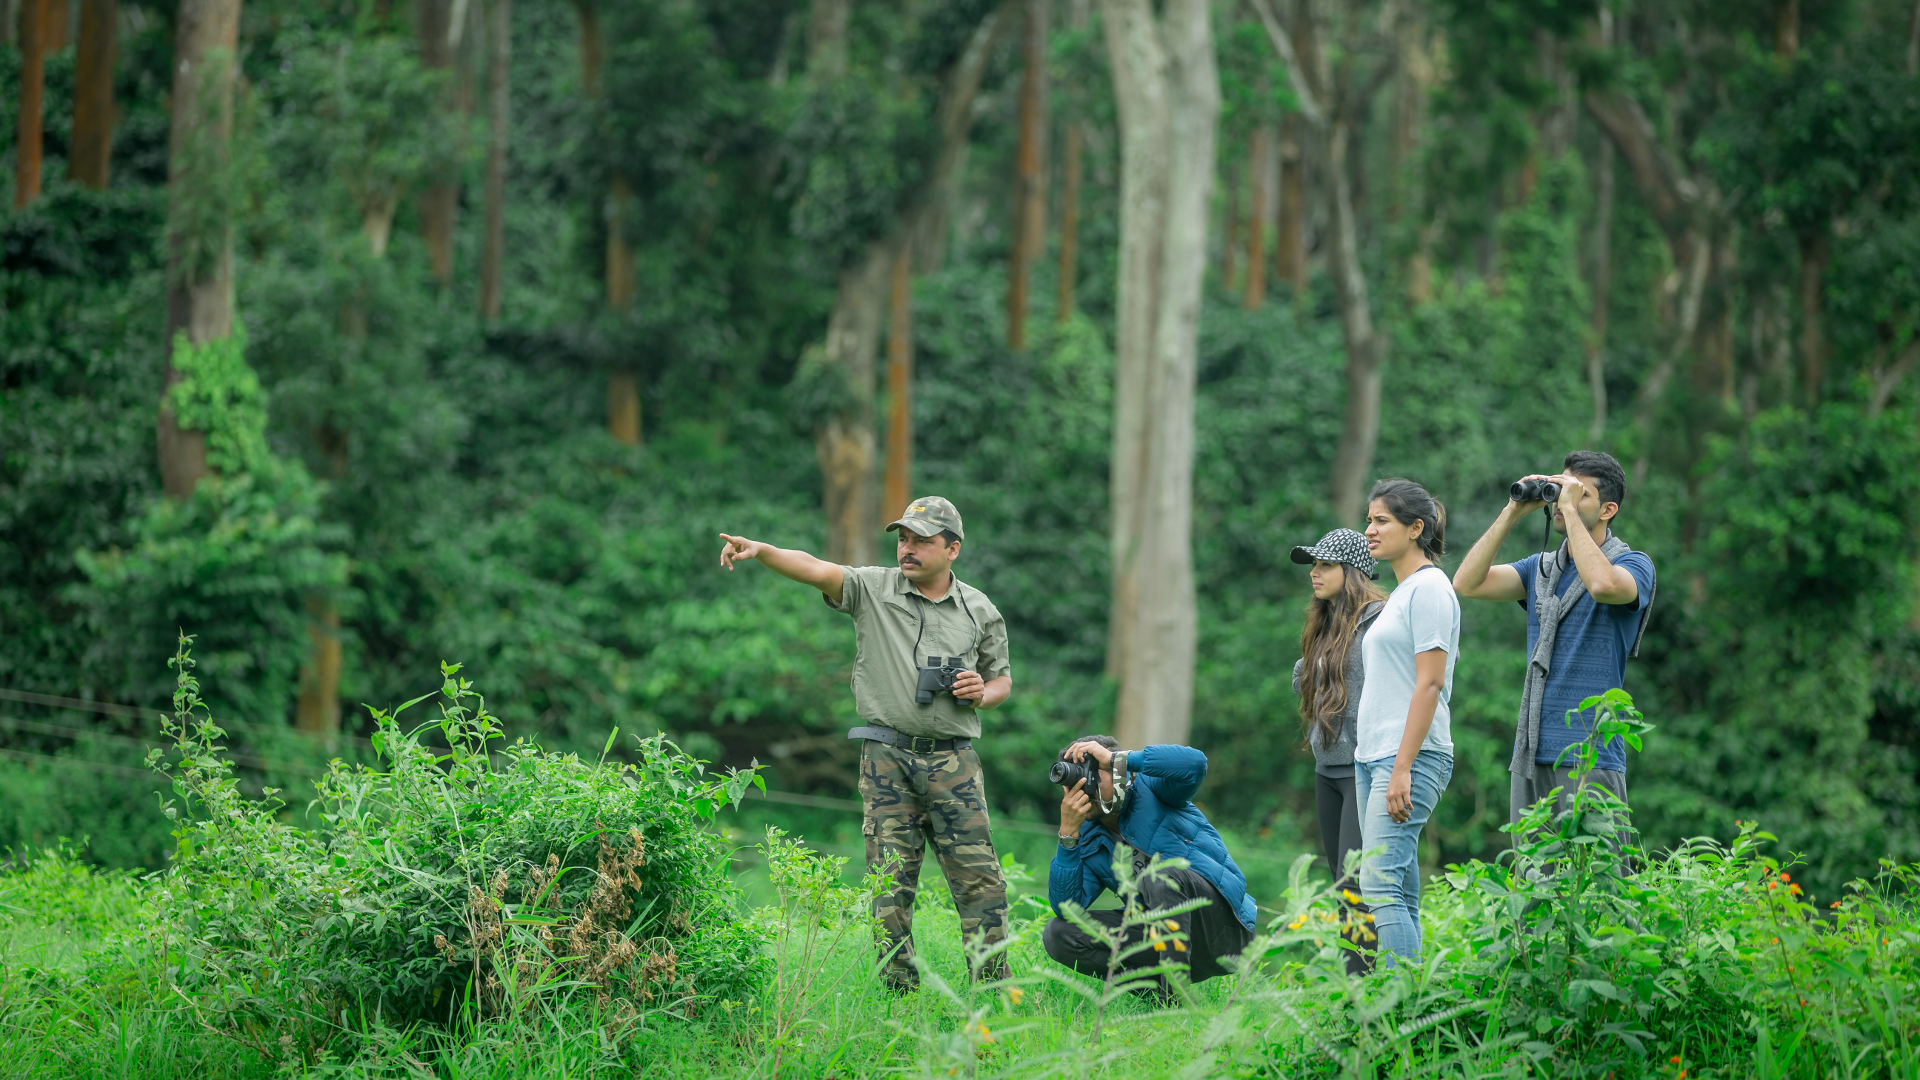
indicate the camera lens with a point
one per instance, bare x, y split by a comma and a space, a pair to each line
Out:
1058, 774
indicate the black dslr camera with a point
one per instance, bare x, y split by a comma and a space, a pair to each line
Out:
1534, 491
937, 678
1069, 773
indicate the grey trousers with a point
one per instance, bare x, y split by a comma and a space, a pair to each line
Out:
1525, 789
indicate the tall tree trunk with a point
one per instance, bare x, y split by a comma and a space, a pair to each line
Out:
53, 25
1334, 116
1257, 172
1290, 243
199, 244
899, 390
1029, 230
1602, 286
90, 154
1814, 253
438, 29
1413, 72
317, 712
1168, 92
1360, 430
1070, 193
493, 256
623, 383
33, 82
844, 440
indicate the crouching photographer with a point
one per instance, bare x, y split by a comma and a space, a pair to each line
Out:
1143, 799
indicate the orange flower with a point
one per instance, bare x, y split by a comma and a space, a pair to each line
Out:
1673, 1061
1794, 889
1773, 884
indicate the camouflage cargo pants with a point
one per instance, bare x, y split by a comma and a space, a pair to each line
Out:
909, 799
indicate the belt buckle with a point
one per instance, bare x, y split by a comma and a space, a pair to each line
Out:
916, 748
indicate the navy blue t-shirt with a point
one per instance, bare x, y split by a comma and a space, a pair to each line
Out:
1589, 655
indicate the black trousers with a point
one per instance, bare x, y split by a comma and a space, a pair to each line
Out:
1339, 834
1212, 932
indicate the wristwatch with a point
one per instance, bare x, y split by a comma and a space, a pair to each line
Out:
1069, 842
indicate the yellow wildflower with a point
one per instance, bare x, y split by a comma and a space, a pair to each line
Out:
1015, 994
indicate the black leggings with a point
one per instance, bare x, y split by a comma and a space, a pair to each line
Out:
1340, 834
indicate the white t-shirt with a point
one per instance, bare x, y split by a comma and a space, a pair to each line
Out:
1422, 614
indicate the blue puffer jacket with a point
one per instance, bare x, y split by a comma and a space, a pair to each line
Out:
1158, 818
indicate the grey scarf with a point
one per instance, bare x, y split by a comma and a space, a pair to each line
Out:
1550, 607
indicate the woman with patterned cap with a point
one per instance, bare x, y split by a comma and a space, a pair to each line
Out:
1328, 677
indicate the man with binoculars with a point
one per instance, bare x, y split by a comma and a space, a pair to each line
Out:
1144, 800
930, 651
1578, 639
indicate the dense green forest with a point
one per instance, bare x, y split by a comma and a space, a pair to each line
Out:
523, 303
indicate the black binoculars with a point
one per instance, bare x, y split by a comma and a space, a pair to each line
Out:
937, 678
1534, 491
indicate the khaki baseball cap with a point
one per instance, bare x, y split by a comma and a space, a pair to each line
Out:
930, 516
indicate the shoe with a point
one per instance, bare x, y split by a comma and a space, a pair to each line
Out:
901, 984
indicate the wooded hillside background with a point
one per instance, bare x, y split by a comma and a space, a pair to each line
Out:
355, 336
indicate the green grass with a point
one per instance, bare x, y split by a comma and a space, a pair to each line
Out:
84, 994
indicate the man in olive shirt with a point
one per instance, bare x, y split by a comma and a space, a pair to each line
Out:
919, 775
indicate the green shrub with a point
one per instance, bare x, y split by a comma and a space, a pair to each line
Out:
465, 878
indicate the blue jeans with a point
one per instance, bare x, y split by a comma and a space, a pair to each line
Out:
1390, 880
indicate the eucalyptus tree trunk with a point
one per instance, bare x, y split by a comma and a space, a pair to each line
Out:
1260, 186
1073, 158
199, 227
1029, 231
500, 55
439, 25
899, 481
844, 439
33, 82
90, 153
1167, 89
1331, 106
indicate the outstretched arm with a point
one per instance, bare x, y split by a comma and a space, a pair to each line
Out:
789, 563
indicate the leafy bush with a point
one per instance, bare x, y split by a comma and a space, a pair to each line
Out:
471, 877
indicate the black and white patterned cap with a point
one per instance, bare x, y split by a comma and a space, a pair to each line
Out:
1341, 546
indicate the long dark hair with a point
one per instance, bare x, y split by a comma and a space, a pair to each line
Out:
1408, 502
1324, 644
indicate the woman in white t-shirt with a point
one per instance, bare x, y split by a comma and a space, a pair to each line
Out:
1403, 757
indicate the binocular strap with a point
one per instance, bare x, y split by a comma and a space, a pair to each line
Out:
920, 614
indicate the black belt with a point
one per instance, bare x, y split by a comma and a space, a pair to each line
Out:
914, 743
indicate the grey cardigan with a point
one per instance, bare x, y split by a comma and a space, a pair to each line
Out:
1335, 760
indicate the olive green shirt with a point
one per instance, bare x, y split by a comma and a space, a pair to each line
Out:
963, 623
